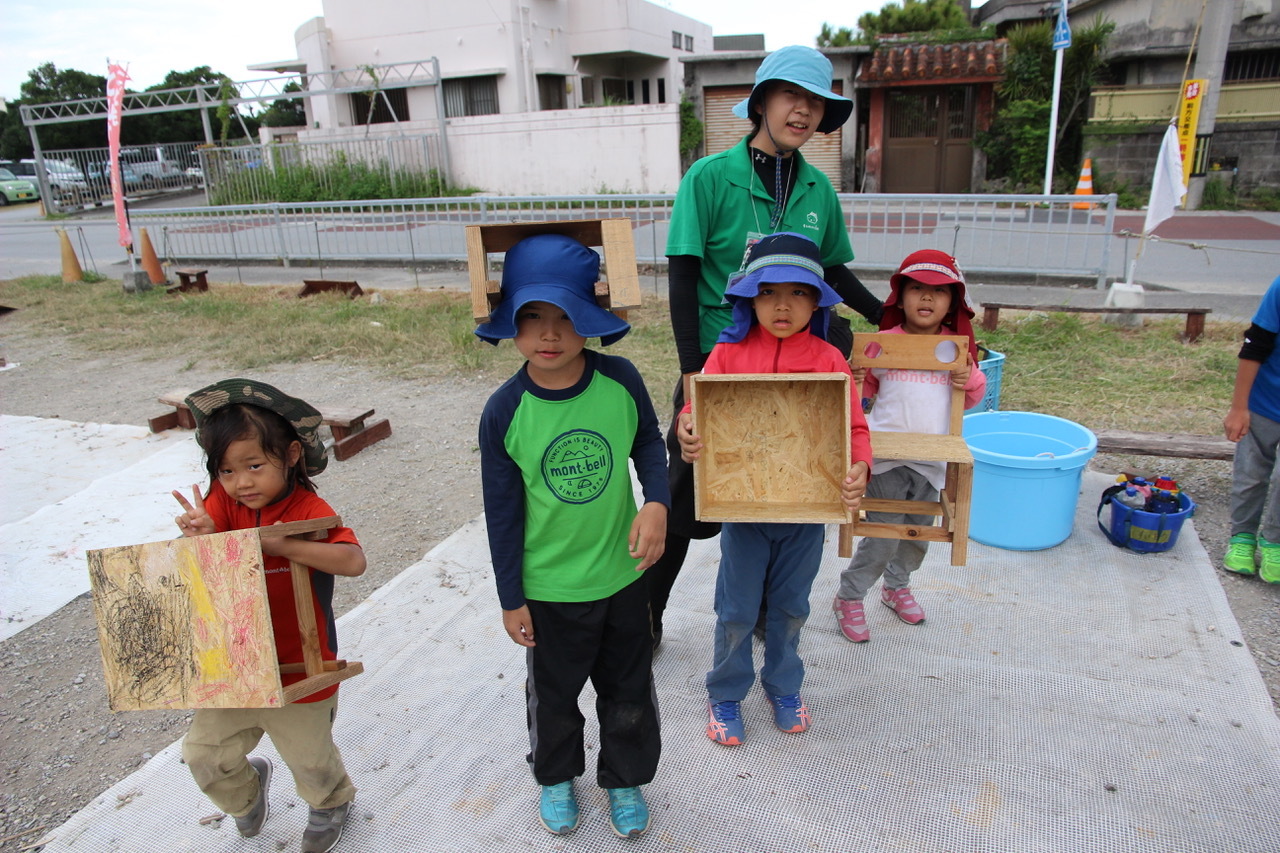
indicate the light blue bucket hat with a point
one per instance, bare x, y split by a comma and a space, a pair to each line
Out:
805, 67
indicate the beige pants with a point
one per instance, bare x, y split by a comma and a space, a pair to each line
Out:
220, 740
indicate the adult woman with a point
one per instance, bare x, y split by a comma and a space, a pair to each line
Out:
726, 203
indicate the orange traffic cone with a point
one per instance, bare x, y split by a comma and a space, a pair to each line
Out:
1085, 186
71, 271
150, 262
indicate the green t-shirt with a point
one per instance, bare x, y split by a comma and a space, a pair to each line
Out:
722, 208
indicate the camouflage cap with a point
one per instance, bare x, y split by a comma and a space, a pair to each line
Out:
304, 417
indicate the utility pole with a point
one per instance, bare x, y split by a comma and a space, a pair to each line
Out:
1211, 55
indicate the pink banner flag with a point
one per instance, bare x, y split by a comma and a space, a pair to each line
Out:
116, 77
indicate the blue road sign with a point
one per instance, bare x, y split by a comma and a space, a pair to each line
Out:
1062, 30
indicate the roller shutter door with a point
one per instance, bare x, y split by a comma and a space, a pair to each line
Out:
723, 130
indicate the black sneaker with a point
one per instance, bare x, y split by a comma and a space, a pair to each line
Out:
324, 829
250, 823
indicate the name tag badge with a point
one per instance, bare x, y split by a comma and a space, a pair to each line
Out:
753, 237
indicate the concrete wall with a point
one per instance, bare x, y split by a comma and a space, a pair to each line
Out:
1132, 156
566, 152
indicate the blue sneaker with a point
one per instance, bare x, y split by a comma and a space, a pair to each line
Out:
724, 723
558, 808
628, 812
789, 712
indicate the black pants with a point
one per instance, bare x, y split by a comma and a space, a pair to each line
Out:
609, 642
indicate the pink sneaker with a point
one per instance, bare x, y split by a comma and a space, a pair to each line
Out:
900, 601
852, 620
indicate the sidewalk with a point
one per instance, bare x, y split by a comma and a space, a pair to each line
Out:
1081, 699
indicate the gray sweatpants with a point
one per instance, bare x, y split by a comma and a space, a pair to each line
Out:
896, 559
1254, 476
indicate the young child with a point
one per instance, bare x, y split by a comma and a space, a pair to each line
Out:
1253, 421
927, 297
781, 307
567, 543
262, 449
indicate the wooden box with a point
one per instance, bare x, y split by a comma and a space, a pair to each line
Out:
776, 446
186, 623
619, 290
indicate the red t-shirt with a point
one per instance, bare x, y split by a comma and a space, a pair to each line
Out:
300, 505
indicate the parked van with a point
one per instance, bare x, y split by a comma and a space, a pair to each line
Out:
149, 163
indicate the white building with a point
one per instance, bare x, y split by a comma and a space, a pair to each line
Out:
517, 77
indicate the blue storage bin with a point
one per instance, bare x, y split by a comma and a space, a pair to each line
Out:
993, 367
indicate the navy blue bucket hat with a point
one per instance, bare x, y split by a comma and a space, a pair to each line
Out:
781, 258
556, 269
805, 67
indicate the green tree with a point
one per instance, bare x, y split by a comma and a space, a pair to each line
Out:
914, 16
181, 125
47, 85
1017, 140
285, 112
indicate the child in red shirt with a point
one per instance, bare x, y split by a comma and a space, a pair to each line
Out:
262, 448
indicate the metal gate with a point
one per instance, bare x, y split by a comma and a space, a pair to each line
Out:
929, 134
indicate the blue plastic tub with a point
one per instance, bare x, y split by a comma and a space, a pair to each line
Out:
1026, 477
1148, 532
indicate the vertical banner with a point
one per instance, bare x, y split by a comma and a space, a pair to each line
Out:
1188, 120
116, 77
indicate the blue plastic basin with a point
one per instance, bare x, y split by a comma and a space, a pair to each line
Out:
1026, 477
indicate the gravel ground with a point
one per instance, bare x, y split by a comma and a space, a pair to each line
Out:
61, 746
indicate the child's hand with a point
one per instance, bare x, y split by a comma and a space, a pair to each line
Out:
272, 545
519, 625
690, 444
960, 376
854, 486
195, 521
859, 375
648, 538
1236, 424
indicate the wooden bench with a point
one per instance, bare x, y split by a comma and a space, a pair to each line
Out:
1193, 333
190, 281
351, 433
1182, 445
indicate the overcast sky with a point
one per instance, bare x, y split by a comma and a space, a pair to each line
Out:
154, 37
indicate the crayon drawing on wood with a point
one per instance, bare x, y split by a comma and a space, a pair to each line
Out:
776, 446
185, 624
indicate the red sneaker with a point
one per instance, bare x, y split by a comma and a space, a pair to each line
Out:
852, 620
900, 601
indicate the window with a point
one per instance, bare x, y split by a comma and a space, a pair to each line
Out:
1251, 65
470, 96
615, 91
551, 91
631, 91
644, 91
381, 113
688, 43
676, 39
662, 90
588, 87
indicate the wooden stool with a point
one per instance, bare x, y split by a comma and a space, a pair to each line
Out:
189, 281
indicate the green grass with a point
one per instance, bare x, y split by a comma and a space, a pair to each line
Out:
1070, 365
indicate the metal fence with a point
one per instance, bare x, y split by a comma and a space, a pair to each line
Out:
1048, 235
80, 177
379, 168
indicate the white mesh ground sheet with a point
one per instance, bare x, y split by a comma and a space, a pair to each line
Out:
1076, 699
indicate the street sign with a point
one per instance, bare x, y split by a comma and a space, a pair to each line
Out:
1062, 30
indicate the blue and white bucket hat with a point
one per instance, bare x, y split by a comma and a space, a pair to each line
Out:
805, 67
559, 270
781, 258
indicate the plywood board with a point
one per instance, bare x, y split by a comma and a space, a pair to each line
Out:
776, 446
185, 623
621, 284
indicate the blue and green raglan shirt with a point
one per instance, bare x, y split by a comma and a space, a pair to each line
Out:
557, 489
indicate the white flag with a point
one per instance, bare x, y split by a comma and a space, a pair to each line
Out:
1167, 188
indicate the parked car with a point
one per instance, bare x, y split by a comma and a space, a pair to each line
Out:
151, 165
99, 177
63, 177
13, 188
